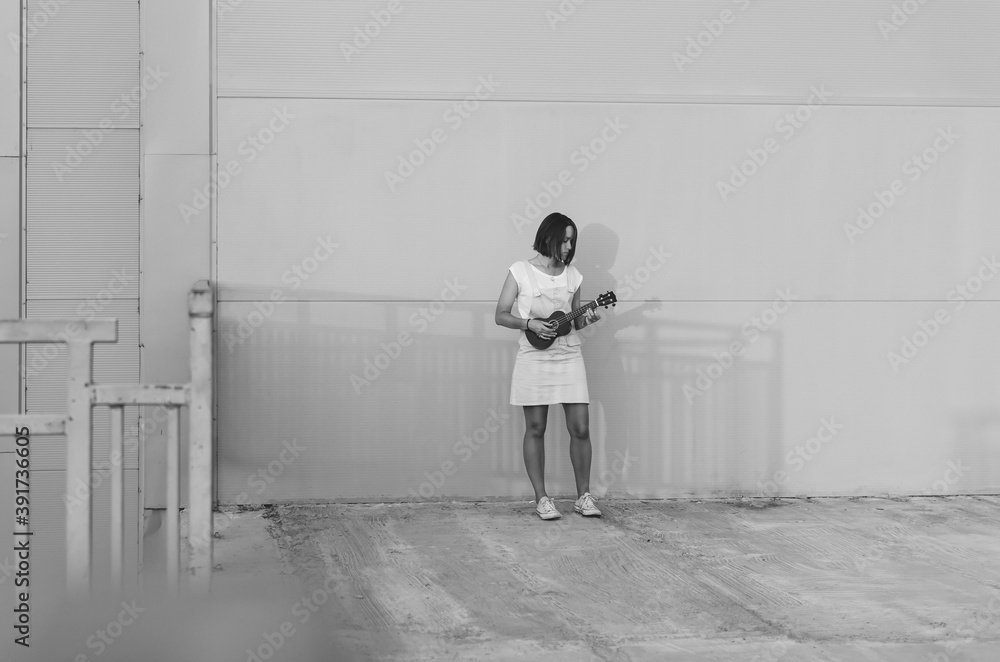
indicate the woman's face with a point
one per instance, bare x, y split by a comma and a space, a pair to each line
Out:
567, 244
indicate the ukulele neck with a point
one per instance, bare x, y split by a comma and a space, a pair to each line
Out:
576, 313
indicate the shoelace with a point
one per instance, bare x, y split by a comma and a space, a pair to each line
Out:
547, 507
588, 502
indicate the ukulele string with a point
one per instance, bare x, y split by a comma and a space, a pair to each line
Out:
576, 313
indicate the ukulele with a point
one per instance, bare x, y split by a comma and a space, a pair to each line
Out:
563, 319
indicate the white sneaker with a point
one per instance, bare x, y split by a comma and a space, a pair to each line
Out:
586, 506
546, 509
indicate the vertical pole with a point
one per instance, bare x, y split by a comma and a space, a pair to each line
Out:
141, 524
200, 473
79, 446
173, 500
117, 464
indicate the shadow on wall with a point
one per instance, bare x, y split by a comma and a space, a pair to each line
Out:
648, 379
431, 418
978, 433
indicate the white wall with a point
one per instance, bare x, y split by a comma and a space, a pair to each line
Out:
339, 125
176, 251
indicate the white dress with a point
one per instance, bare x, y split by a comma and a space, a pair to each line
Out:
555, 375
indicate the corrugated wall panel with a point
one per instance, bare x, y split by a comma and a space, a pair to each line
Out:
659, 184
83, 230
82, 240
805, 111
637, 49
317, 402
81, 61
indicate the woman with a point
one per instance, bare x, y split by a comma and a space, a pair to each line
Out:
535, 289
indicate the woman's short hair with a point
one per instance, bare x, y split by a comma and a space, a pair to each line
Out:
552, 232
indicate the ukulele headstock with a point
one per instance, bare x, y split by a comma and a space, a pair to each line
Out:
607, 299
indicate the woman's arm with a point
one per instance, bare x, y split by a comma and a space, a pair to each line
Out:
589, 317
579, 322
503, 317
508, 295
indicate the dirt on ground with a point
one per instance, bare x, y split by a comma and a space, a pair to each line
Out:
751, 580
767, 579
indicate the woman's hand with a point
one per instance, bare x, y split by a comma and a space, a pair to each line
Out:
591, 316
544, 330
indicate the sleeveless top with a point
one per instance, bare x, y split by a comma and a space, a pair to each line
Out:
552, 294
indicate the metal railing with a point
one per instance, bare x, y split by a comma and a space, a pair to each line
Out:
83, 395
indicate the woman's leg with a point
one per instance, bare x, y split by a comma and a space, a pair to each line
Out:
535, 418
578, 424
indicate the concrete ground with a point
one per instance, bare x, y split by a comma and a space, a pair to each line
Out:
894, 579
